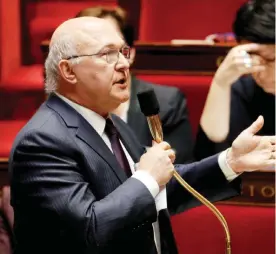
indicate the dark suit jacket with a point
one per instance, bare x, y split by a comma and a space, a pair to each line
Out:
70, 195
173, 114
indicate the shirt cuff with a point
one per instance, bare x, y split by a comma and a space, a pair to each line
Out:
230, 175
148, 181
161, 200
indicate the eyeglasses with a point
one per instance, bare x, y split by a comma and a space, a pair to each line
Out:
111, 56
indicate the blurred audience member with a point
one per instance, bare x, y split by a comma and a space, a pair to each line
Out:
244, 85
6, 222
173, 107
221, 38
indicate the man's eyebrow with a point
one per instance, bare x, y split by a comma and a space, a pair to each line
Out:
114, 46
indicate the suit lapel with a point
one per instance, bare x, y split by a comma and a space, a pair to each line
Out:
86, 133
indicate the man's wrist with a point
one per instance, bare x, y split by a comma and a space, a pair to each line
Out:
231, 160
148, 181
226, 169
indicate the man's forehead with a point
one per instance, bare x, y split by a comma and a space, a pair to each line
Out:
104, 38
84, 27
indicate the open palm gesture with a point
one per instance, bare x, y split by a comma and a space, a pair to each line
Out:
250, 152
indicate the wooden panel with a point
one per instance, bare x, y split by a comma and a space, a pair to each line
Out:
162, 58
258, 188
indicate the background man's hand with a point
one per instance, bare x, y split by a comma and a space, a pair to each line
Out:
157, 161
250, 152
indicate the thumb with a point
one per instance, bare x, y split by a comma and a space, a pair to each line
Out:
256, 126
154, 143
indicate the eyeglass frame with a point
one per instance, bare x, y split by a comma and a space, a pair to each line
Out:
106, 54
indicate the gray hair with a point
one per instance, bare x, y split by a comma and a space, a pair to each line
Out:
62, 48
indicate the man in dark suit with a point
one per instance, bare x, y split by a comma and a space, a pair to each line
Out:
173, 105
80, 180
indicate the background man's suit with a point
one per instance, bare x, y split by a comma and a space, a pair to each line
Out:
71, 196
173, 114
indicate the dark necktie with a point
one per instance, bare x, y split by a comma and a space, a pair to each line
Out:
118, 151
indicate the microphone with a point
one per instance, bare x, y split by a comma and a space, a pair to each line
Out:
150, 108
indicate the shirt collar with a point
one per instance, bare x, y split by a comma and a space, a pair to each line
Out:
94, 119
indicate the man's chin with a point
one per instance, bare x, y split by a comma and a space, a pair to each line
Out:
118, 100
123, 96
124, 99
270, 90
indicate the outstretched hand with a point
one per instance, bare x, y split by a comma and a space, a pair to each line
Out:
250, 152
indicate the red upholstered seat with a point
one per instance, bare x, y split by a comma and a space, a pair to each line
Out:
198, 231
45, 16
22, 93
26, 78
41, 28
8, 132
195, 89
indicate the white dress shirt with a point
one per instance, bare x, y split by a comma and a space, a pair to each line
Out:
98, 123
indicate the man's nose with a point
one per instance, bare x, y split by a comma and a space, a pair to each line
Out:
122, 64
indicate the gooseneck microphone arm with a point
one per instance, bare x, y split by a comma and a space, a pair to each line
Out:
150, 108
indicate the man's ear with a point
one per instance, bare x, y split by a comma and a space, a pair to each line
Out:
67, 72
132, 55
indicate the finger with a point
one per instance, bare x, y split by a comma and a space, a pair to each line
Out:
164, 145
256, 126
258, 58
254, 69
250, 47
246, 69
270, 166
247, 65
6, 196
253, 60
272, 139
171, 154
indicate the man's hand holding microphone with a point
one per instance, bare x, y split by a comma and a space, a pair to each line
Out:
158, 163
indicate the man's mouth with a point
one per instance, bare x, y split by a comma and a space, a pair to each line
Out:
121, 81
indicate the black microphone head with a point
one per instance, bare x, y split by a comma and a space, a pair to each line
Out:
148, 102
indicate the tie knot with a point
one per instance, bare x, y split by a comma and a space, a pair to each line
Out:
110, 129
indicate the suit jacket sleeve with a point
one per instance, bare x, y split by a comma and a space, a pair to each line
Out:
204, 176
47, 175
177, 129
